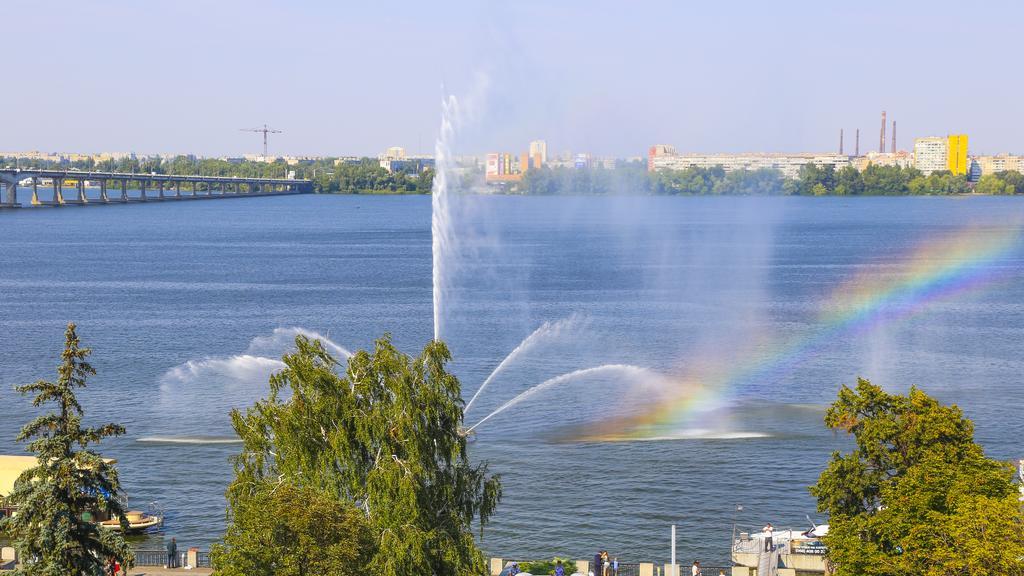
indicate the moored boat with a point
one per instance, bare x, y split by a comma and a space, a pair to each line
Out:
11, 468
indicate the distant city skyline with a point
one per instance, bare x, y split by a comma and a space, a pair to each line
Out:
601, 77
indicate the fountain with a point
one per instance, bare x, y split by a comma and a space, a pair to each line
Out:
443, 238
626, 370
544, 331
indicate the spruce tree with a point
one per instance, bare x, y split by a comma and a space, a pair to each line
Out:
49, 531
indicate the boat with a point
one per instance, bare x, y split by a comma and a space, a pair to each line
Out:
11, 467
137, 522
800, 550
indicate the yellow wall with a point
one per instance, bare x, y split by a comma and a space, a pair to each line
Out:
957, 154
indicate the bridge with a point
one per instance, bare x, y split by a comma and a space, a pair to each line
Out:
151, 187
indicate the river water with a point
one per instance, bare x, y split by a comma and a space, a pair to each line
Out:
187, 304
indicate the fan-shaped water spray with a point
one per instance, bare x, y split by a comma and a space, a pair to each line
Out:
627, 370
544, 332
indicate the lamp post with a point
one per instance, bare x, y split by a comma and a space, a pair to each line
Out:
735, 512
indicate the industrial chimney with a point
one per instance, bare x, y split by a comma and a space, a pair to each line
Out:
881, 135
840, 141
856, 145
893, 149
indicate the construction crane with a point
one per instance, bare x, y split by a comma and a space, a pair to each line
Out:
266, 130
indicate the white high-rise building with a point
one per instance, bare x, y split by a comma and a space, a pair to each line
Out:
931, 154
539, 148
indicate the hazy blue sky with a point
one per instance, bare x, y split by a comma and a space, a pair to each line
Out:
607, 77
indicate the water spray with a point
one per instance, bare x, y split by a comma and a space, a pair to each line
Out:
627, 370
545, 330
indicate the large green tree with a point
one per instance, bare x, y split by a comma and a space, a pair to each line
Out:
52, 499
916, 496
283, 528
385, 437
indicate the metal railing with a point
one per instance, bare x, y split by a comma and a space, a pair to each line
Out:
158, 558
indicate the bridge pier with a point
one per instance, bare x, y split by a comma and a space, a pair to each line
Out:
58, 191
177, 190
142, 189
11, 200
160, 188
124, 191
81, 192
103, 192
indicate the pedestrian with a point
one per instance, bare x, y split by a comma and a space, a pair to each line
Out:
605, 564
172, 553
695, 569
514, 569
559, 571
108, 568
768, 544
595, 570
615, 566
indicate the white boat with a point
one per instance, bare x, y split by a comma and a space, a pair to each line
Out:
137, 522
801, 550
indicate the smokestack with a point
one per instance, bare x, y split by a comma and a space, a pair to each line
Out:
881, 135
893, 137
840, 141
856, 145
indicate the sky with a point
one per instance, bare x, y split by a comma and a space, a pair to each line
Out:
609, 78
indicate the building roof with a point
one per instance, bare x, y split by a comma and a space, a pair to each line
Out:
11, 467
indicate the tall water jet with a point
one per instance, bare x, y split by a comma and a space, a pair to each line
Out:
543, 332
443, 238
627, 370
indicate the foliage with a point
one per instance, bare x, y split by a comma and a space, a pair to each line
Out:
548, 566
916, 495
384, 437
626, 177
994, 185
70, 480
285, 529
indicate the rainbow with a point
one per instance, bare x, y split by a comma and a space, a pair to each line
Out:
940, 269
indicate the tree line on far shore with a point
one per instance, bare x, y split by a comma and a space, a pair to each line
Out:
366, 176
633, 177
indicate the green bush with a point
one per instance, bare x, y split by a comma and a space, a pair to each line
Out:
548, 566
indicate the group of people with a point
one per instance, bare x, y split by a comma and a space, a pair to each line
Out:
604, 565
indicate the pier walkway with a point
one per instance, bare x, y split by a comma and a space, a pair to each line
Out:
150, 187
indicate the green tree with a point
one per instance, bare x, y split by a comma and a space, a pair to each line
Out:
385, 437
1014, 179
284, 529
849, 182
55, 498
992, 184
916, 495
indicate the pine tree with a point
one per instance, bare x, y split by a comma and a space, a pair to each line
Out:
48, 529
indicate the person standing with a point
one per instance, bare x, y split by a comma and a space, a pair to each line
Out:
605, 564
615, 566
172, 553
768, 544
559, 571
596, 569
695, 569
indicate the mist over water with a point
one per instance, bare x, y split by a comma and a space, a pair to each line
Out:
226, 382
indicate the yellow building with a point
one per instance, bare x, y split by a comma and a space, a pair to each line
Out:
956, 155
